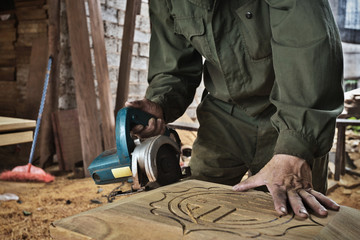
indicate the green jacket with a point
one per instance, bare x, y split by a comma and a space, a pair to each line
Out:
257, 53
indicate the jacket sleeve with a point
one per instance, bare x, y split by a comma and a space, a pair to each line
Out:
175, 67
307, 93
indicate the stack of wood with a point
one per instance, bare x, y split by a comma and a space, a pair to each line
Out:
7, 64
352, 103
32, 24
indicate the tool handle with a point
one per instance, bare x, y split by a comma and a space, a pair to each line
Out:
42, 103
126, 119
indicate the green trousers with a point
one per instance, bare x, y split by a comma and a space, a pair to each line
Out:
230, 142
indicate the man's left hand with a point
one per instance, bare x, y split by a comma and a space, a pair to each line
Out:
288, 178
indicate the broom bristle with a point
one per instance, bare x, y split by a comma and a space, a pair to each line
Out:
27, 173
26, 176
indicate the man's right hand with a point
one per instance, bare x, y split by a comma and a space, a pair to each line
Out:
155, 126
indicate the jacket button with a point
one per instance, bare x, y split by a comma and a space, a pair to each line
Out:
248, 15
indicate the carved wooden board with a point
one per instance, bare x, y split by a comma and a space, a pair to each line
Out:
200, 210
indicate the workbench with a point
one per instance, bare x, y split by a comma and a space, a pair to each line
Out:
199, 210
16, 130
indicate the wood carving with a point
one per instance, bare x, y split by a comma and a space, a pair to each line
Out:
199, 210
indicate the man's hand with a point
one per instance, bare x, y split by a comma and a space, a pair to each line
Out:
288, 178
155, 126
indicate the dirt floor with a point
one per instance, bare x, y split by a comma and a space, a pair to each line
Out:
40, 204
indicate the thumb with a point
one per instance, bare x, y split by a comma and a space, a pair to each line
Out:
251, 182
135, 104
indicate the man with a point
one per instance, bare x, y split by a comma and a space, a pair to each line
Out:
273, 73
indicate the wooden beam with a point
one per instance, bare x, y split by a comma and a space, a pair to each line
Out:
102, 74
132, 9
15, 124
47, 144
16, 138
35, 83
197, 210
84, 82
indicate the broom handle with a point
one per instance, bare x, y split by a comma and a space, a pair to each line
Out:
40, 111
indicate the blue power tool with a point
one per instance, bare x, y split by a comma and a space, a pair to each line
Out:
147, 160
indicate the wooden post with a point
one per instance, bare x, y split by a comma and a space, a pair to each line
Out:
102, 75
132, 9
84, 82
47, 145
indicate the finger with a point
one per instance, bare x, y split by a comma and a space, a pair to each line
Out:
327, 202
137, 129
160, 126
313, 203
279, 197
251, 182
150, 129
134, 104
297, 204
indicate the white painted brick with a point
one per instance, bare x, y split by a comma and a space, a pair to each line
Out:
121, 17
139, 63
135, 50
141, 37
119, 4
113, 75
113, 59
145, 24
144, 9
137, 89
143, 74
134, 76
144, 50
109, 14
113, 30
111, 45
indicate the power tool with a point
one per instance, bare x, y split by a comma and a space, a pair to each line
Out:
154, 159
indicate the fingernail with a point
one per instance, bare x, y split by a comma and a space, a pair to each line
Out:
323, 210
283, 210
236, 188
302, 210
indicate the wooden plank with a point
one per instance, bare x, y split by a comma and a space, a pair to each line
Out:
15, 138
35, 83
8, 35
68, 132
47, 146
102, 75
32, 26
8, 24
195, 210
27, 39
32, 3
7, 73
8, 98
132, 8
30, 13
6, 46
14, 124
84, 82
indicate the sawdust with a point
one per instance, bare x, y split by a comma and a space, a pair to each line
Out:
65, 197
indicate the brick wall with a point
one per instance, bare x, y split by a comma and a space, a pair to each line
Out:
113, 14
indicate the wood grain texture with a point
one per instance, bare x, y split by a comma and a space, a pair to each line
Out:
35, 83
47, 147
14, 124
84, 82
8, 98
102, 75
195, 210
132, 8
16, 138
68, 137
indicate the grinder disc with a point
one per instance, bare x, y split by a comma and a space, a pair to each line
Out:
157, 157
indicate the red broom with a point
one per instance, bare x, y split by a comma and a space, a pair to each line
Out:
29, 172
